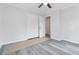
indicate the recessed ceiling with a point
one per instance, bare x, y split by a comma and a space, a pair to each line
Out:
44, 10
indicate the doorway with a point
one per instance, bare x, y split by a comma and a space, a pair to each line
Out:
47, 26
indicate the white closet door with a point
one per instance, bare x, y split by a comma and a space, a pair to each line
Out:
42, 26
32, 26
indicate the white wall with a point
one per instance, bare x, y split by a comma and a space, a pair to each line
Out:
70, 23
65, 24
55, 25
16, 24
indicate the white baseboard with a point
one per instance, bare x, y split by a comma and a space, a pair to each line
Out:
5, 43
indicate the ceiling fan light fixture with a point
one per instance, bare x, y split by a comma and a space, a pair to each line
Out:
46, 4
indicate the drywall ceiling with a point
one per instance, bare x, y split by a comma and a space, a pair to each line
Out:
44, 10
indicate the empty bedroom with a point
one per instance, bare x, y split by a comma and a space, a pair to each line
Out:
39, 28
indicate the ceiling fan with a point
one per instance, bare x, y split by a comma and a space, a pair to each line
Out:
47, 4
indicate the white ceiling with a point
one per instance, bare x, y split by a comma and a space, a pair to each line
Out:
44, 10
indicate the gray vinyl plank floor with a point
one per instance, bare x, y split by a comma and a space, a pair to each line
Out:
50, 47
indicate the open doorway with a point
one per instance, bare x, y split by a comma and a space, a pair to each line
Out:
47, 26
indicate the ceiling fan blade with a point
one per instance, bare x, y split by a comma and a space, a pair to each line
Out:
40, 5
49, 5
